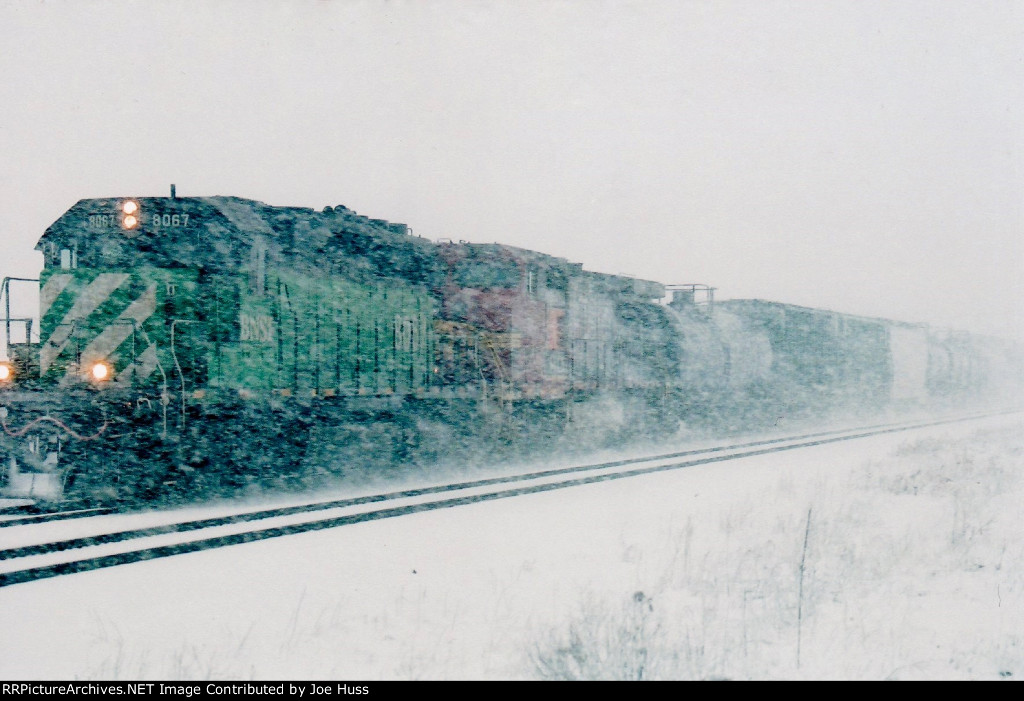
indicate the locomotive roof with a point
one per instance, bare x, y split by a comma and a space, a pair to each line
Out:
218, 233
233, 215
765, 305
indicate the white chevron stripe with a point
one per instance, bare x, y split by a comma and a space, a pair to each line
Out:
51, 291
142, 368
95, 294
107, 340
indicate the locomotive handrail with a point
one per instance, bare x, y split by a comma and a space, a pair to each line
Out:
165, 395
689, 292
177, 365
5, 292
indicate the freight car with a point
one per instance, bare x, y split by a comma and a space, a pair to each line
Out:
209, 346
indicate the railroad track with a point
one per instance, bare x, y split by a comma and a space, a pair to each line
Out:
22, 516
37, 559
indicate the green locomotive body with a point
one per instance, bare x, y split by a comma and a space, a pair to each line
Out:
209, 323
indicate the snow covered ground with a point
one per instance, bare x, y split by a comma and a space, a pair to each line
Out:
896, 556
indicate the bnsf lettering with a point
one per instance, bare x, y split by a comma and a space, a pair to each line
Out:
256, 328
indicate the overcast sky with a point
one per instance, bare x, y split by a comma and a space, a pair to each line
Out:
863, 156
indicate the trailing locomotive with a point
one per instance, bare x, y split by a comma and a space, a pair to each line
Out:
206, 346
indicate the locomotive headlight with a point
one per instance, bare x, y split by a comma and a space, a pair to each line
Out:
6, 372
99, 372
130, 219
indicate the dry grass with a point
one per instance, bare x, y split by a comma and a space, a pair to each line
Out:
900, 556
